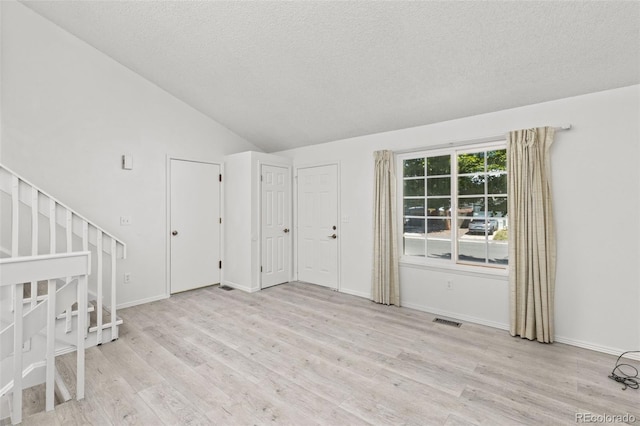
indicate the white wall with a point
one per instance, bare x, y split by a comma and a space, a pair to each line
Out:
237, 261
68, 115
242, 219
596, 193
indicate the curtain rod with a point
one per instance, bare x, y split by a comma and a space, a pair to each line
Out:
485, 139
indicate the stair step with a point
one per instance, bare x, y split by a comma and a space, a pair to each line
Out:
92, 320
74, 310
93, 316
105, 326
42, 290
34, 397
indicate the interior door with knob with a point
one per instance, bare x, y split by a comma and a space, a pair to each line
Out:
276, 225
195, 225
318, 231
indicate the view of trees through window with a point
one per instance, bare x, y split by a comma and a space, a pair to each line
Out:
455, 207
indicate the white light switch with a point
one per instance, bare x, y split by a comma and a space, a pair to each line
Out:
127, 162
125, 220
345, 219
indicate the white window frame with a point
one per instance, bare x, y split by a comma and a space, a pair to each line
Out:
445, 265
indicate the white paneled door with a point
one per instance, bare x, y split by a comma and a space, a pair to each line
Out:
276, 225
195, 225
318, 231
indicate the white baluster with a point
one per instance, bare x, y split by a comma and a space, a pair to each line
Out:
51, 346
69, 229
85, 236
99, 302
15, 226
34, 240
52, 233
114, 328
17, 355
52, 226
82, 325
85, 247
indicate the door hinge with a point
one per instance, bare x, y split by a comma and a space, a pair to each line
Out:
261, 269
220, 264
220, 220
261, 178
220, 177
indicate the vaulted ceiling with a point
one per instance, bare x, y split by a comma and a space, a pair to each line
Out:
290, 74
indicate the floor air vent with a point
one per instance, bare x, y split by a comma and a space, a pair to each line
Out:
226, 288
447, 322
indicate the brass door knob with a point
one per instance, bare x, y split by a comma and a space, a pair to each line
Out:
286, 230
334, 236
174, 233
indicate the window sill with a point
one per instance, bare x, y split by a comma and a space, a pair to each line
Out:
475, 271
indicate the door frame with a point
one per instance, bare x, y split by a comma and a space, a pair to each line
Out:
259, 217
338, 219
167, 226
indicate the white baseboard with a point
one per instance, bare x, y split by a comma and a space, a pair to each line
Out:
457, 315
142, 301
453, 315
598, 348
502, 326
239, 286
355, 293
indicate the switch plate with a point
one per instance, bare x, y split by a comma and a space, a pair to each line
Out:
125, 220
127, 277
127, 162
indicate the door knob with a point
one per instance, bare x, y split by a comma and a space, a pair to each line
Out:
174, 233
286, 230
334, 236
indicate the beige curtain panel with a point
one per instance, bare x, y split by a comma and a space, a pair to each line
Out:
532, 243
385, 281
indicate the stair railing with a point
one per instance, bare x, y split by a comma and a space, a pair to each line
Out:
78, 231
74, 269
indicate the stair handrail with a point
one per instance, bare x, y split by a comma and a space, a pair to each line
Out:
15, 271
100, 236
63, 205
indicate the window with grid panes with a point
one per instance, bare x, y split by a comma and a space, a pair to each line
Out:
454, 205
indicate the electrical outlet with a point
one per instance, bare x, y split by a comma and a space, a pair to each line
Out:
127, 277
125, 220
449, 285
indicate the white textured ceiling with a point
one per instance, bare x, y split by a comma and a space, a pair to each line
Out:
289, 74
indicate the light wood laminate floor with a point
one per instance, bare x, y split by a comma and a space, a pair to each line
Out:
300, 354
